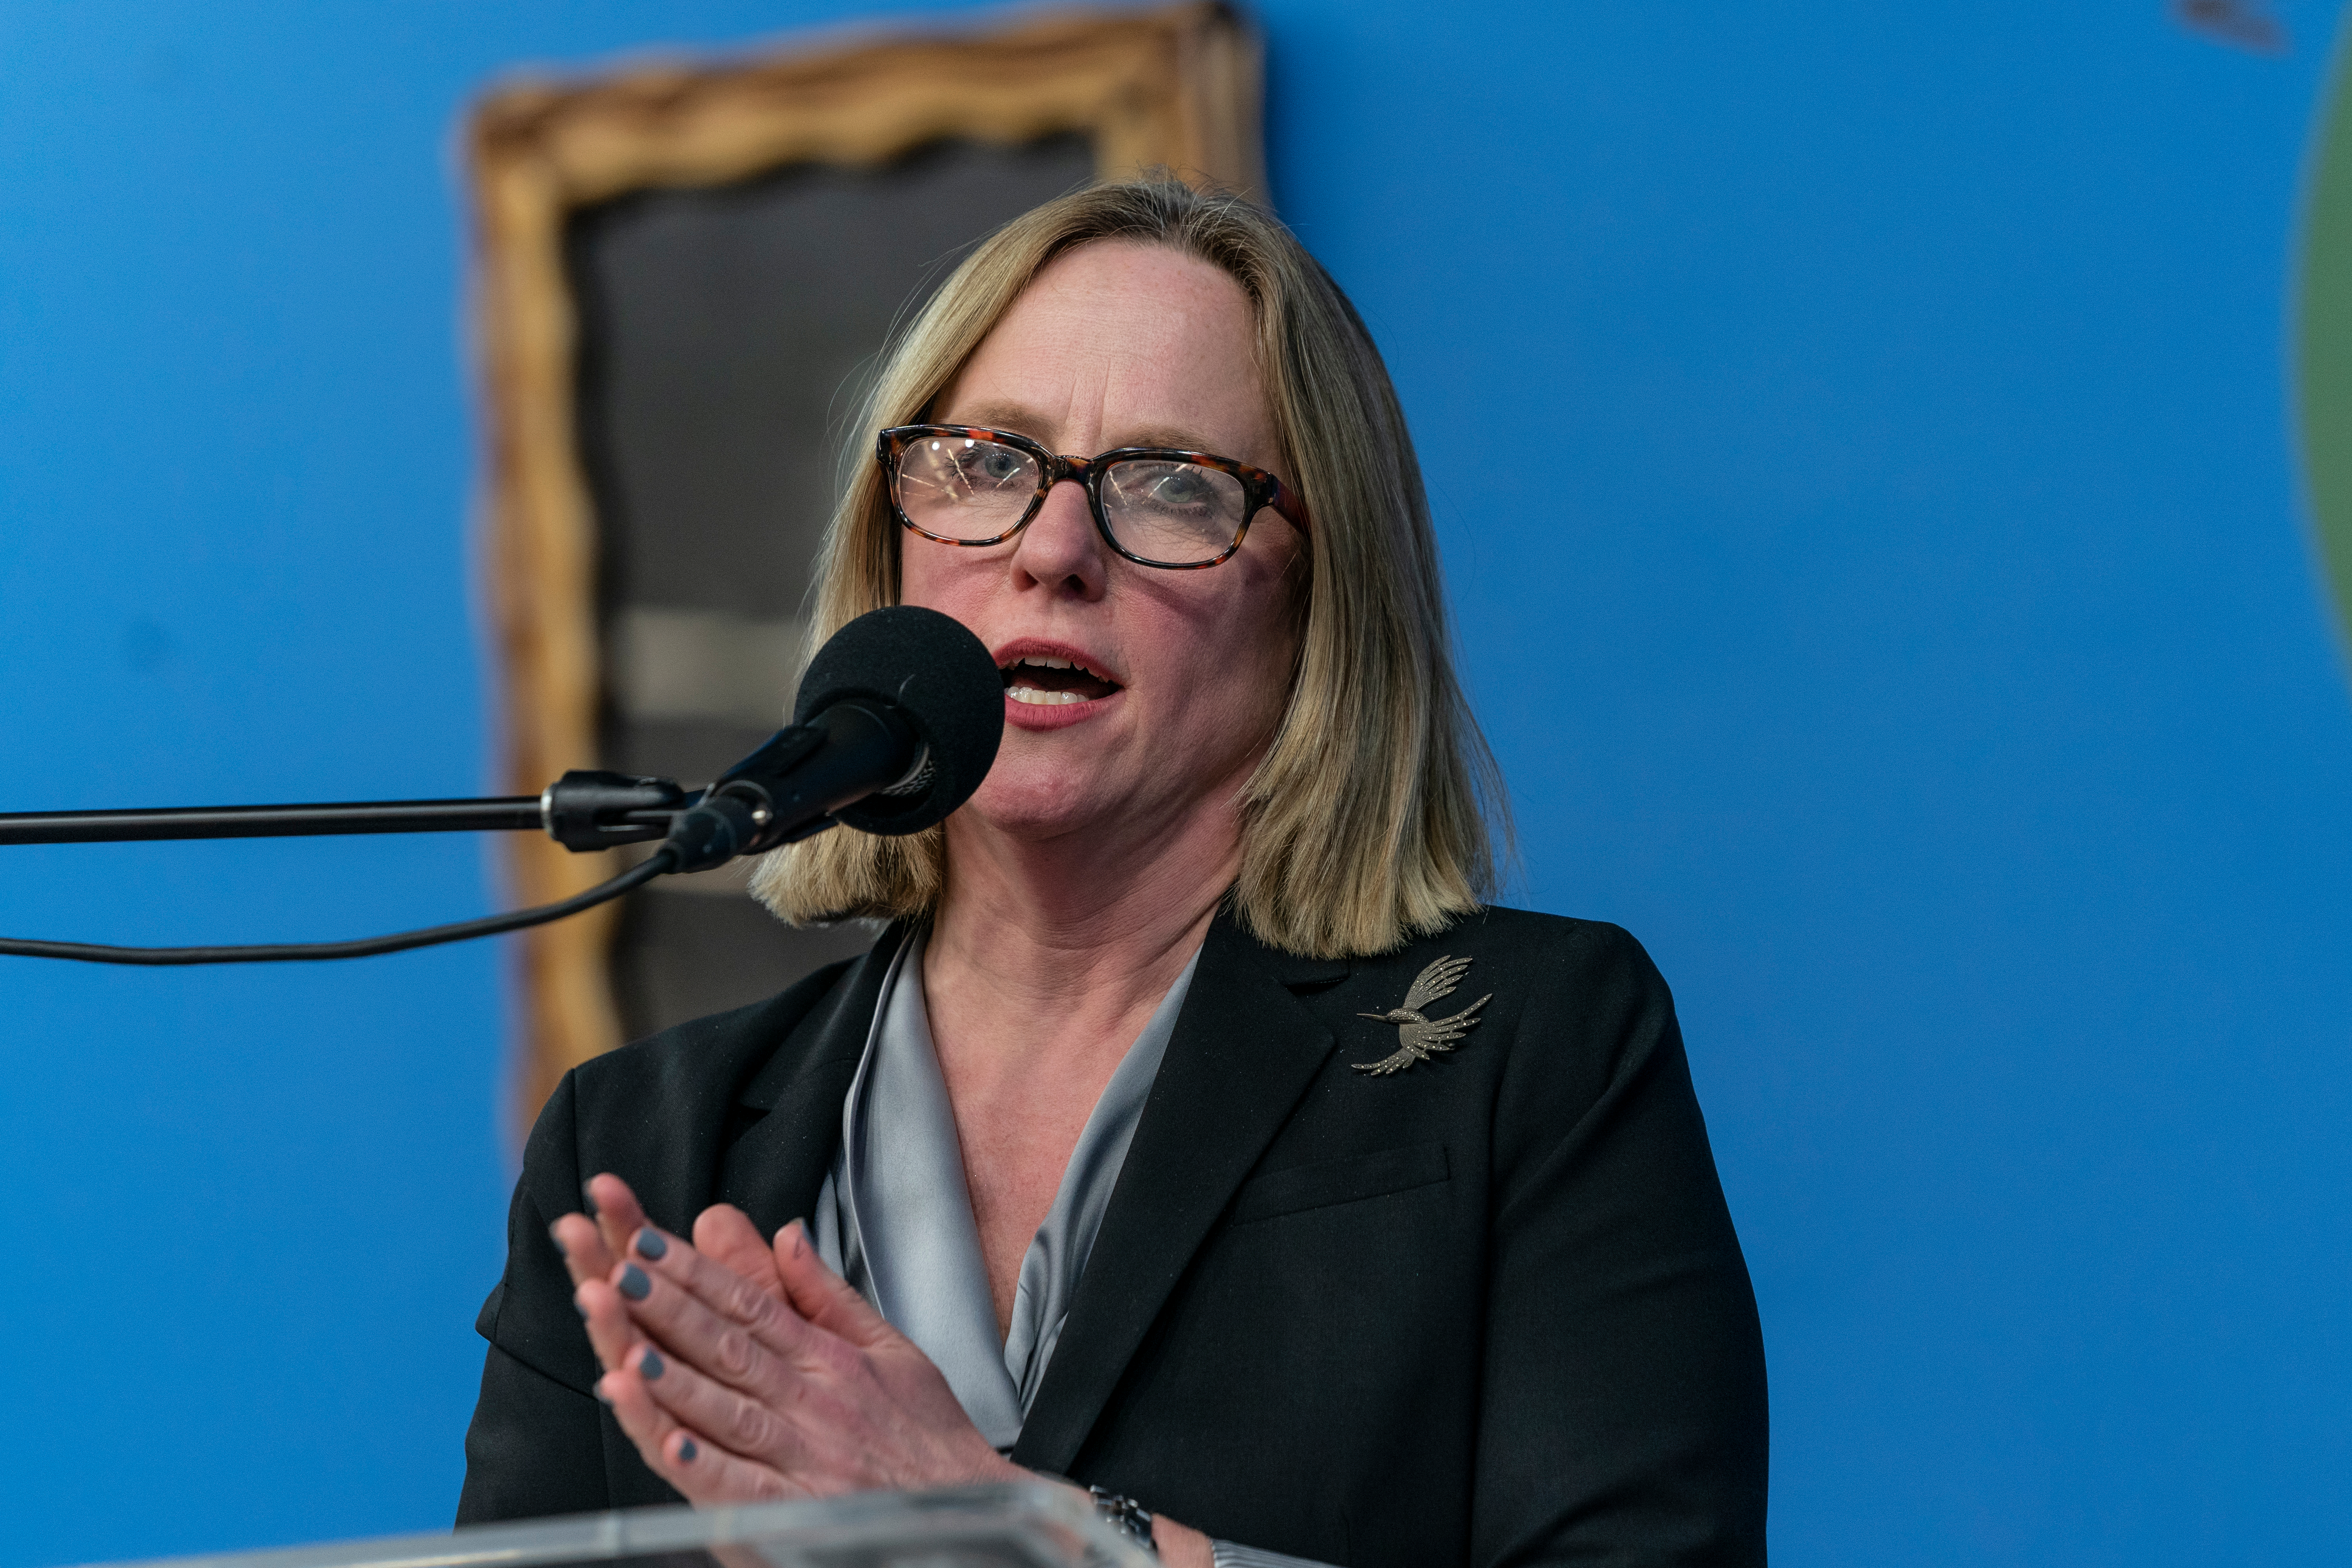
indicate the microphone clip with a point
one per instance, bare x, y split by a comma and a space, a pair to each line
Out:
589, 808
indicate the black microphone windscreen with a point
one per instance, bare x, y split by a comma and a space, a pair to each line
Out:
943, 681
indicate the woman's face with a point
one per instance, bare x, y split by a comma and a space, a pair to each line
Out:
1179, 678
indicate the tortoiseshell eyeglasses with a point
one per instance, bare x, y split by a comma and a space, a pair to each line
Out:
1157, 506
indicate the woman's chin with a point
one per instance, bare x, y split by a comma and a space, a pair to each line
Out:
1032, 800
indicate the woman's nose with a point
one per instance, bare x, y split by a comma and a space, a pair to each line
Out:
1060, 548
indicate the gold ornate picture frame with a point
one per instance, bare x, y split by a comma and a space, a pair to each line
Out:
1176, 88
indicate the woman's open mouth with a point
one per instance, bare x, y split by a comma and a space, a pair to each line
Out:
1049, 680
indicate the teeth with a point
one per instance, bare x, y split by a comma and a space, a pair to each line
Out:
1050, 661
1037, 699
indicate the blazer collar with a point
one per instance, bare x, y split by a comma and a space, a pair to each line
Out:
775, 1167
1243, 1053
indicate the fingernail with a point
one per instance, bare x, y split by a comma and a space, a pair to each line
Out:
587, 1200
557, 1237
800, 1236
649, 1243
580, 1308
633, 1283
649, 1366
601, 1398
686, 1451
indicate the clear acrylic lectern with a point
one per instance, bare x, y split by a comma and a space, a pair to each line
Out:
973, 1527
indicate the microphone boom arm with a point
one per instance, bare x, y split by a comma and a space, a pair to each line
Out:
584, 809
896, 723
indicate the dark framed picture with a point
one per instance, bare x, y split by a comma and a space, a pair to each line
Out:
683, 272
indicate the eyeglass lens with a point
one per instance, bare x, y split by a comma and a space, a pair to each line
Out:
1157, 508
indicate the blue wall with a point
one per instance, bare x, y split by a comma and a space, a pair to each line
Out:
1893, 604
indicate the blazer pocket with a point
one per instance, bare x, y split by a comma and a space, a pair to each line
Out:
1329, 1182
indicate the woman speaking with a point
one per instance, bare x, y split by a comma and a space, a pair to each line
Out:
1194, 1131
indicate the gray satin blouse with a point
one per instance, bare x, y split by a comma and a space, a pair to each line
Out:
894, 1216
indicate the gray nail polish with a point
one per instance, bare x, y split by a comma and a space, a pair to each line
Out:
650, 1244
686, 1451
582, 1311
587, 1201
649, 1366
601, 1398
633, 1283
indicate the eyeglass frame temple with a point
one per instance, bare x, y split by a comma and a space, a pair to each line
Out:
1260, 490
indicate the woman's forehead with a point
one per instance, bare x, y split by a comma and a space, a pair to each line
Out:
1146, 338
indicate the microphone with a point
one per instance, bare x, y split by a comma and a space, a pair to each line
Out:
894, 725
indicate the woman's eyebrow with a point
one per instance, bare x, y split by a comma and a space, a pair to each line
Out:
1025, 422
1006, 416
1167, 436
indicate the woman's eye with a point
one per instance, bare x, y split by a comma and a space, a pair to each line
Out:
994, 465
1183, 487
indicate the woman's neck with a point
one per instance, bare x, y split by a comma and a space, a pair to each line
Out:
1082, 928
1044, 963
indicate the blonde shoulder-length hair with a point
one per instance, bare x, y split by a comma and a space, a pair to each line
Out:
1365, 823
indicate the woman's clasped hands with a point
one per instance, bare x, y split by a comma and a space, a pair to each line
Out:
747, 1372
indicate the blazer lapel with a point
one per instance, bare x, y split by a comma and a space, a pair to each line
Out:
1243, 1053
776, 1167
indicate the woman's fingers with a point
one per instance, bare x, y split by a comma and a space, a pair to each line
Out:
589, 1255
703, 1470
614, 1206
747, 1376
708, 1475
722, 1289
725, 1235
742, 1370
752, 1427
824, 1422
708, 1317
830, 1304
611, 1331
587, 1245
823, 1297
582, 1245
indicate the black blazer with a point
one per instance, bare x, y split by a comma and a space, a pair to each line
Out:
1489, 1309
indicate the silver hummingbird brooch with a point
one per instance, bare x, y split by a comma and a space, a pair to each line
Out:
1419, 1038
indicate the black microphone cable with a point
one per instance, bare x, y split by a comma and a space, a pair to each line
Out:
897, 722
662, 859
